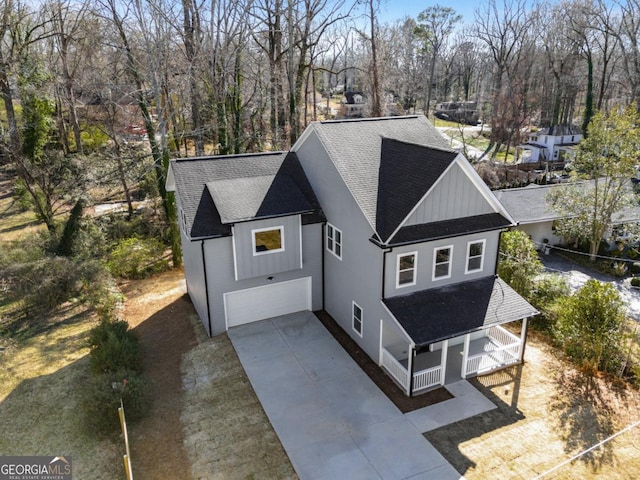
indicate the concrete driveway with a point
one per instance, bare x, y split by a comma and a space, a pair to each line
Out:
332, 420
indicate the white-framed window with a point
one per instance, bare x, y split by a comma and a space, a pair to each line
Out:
475, 256
334, 240
406, 269
442, 262
356, 318
183, 221
267, 240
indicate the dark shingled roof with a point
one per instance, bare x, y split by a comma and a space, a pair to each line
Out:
355, 148
407, 172
449, 228
438, 314
218, 191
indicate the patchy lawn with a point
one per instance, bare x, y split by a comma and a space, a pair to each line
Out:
547, 413
40, 408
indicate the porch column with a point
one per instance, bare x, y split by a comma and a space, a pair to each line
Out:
443, 361
465, 355
412, 353
523, 340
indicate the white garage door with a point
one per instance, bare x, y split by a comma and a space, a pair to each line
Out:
253, 304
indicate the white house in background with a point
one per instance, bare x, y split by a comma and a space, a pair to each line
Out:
554, 145
376, 221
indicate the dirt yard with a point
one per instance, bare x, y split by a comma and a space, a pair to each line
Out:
547, 413
206, 422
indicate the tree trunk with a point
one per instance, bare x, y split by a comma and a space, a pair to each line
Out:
191, 31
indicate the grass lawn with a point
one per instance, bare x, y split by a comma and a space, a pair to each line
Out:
41, 375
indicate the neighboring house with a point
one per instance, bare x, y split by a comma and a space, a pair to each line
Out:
353, 105
399, 240
529, 207
554, 145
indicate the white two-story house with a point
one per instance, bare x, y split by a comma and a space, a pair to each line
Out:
376, 221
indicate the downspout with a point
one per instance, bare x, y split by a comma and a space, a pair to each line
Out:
322, 249
413, 361
206, 287
495, 268
384, 271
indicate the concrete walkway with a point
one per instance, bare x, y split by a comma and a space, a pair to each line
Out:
332, 420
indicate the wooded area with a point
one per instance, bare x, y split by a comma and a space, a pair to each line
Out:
132, 83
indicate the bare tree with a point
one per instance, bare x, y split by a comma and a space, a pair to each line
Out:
434, 27
68, 23
504, 30
629, 36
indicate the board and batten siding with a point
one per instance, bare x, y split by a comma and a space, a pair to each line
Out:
221, 273
424, 265
453, 196
249, 265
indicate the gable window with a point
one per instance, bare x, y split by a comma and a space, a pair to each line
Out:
406, 270
356, 315
475, 256
442, 262
334, 240
267, 240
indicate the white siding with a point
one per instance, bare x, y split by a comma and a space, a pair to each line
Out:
454, 196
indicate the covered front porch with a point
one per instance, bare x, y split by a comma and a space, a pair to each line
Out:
447, 344
455, 359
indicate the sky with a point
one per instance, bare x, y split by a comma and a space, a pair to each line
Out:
392, 10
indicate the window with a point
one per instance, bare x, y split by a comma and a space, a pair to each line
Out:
334, 240
406, 270
183, 221
442, 262
267, 240
357, 318
475, 256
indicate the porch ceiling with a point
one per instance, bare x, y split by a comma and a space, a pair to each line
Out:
437, 314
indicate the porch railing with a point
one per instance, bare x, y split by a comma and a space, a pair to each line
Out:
427, 378
502, 336
395, 368
507, 352
421, 380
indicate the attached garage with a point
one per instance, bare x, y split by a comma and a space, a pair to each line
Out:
253, 304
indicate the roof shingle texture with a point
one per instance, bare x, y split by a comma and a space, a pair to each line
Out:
217, 191
449, 228
529, 204
355, 148
407, 172
438, 314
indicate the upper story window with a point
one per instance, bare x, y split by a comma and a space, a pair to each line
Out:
267, 240
357, 318
475, 256
334, 240
442, 262
406, 269
183, 221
